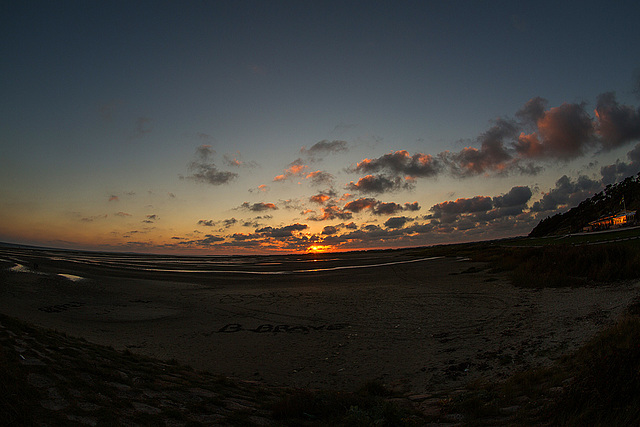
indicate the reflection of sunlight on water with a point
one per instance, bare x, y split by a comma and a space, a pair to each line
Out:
71, 277
19, 268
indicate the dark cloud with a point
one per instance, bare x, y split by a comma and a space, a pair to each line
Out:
532, 111
244, 237
461, 206
209, 240
329, 230
567, 193
258, 207
207, 172
320, 178
396, 222
616, 124
122, 214
620, 170
93, 218
360, 204
379, 184
151, 219
323, 148
390, 208
332, 212
377, 207
225, 223
412, 207
517, 196
204, 152
538, 134
563, 133
492, 156
401, 163
285, 231
255, 222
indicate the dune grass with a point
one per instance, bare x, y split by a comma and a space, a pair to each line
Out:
597, 385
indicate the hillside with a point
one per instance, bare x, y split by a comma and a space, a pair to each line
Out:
606, 202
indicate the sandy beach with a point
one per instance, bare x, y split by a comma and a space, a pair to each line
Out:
334, 321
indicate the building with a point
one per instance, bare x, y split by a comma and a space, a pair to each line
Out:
620, 219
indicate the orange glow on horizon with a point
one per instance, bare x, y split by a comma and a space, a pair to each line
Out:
317, 249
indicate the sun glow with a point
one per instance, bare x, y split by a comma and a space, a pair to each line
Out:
316, 249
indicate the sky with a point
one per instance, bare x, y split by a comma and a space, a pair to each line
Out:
257, 127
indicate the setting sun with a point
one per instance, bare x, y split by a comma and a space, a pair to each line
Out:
315, 249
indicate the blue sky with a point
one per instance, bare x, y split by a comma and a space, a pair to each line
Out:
244, 127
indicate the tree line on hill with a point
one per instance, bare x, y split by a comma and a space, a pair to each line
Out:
613, 199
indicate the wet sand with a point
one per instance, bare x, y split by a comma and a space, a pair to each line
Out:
416, 324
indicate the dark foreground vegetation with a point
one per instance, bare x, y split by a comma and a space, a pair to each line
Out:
566, 265
598, 385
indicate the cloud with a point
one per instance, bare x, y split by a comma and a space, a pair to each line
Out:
235, 161
377, 207
255, 222
330, 230
532, 111
93, 218
379, 184
332, 212
323, 148
225, 223
517, 196
480, 211
258, 207
360, 204
396, 222
122, 214
209, 240
563, 133
205, 171
285, 231
320, 178
461, 206
616, 124
619, 170
319, 198
567, 193
390, 208
401, 163
492, 155
412, 206
523, 145
151, 219
113, 198
296, 168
